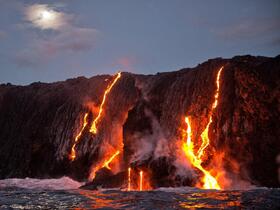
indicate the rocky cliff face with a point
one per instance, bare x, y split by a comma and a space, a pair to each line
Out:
143, 117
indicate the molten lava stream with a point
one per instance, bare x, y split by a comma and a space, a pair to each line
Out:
204, 135
72, 155
105, 164
129, 180
93, 128
140, 180
209, 181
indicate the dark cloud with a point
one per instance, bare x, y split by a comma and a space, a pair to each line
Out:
72, 40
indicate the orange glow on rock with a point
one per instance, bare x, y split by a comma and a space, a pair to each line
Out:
72, 155
93, 128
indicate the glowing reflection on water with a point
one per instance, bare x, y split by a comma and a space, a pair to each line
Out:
11, 198
211, 200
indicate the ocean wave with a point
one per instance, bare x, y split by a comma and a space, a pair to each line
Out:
63, 183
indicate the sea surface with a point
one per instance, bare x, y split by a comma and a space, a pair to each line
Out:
63, 193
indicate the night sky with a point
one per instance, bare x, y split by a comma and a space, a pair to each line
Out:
54, 40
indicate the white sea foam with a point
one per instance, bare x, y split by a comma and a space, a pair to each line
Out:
63, 183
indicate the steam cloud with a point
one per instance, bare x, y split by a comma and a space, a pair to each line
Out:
152, 144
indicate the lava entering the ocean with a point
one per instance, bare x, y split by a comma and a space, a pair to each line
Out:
137, 180
140, 180
129, 180
209, 181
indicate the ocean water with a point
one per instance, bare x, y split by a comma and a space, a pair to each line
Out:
64, 194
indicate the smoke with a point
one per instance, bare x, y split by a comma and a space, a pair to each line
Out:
182, 165
161, 148
150, 144
143, 87
228, 172
156, 144
143, 147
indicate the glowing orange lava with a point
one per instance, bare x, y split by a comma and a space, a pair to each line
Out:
72, 155
209, 181
141, 181
105, 164
93, 128
129, 180
204, 135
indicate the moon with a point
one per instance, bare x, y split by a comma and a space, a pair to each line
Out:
44, 17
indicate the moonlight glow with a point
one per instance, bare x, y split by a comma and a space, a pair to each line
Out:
47, 16
44, 17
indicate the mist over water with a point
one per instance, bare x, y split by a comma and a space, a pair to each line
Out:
63, 193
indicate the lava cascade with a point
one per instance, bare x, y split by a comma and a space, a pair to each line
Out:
140, 180
137, 180
72, 155
112, 155
209, 181
93, 128
107, 162
129, 179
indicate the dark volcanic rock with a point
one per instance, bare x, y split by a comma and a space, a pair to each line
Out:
106, 179
39, 122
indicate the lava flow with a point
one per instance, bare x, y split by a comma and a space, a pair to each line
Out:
93, 128
209, 181
141, 181
105, 164
204, 135
129, 180
72, 155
